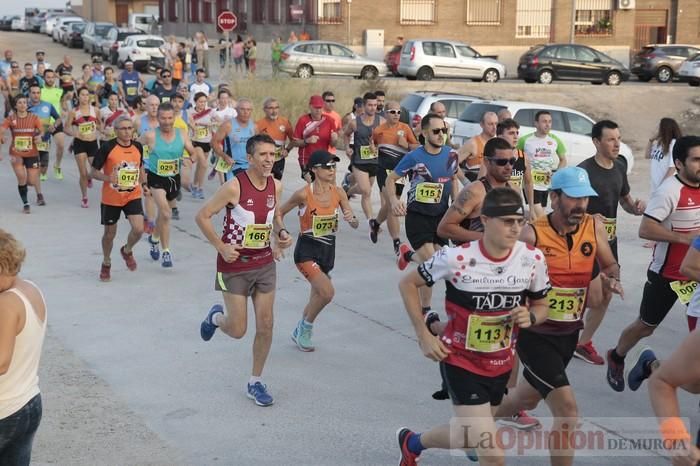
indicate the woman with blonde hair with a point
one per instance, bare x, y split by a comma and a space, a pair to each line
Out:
22, 332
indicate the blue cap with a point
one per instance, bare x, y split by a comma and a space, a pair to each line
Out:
573, 181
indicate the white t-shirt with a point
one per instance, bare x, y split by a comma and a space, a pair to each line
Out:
660, 163
229, 113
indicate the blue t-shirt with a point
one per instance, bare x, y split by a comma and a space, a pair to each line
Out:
239, 136
45, 111
431, 179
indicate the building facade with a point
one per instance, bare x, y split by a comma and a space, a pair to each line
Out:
601, 23
113, 11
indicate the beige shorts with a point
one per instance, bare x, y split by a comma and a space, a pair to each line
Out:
263, 279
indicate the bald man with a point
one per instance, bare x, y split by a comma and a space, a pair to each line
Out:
471, 154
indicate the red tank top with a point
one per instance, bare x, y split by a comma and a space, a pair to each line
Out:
249, 224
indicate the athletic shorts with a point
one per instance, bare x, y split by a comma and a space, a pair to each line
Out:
58, 128
657, 299
544, 359
313, 257
422, 229
170, 184
111, 213
382, 175
85, 147
28, 162
206, 146
278, 169
541, 197
262, 279
43, 159
371, 170
469, 389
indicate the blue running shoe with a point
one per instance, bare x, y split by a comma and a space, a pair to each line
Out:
258, 392
208, 327
167, 259
640, 369
200, 193
155, 248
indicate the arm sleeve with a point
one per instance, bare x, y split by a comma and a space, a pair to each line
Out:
539, 281
102, 153
435, 268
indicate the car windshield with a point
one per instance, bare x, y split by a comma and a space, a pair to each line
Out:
695, 57
102, 30
646, 50
124, 35
466, 51
78, 27
149, 43
474, 112
411, 102
142, 20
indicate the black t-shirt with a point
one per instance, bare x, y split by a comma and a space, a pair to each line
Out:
610, 183
163, 94
26, 83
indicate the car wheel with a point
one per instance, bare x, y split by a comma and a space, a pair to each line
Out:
664, 74
614, 79
491, 76
545, 77
425, 74
369, 72
305, 72
411, 78
694, 82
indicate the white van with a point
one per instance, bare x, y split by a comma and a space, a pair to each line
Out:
145, 22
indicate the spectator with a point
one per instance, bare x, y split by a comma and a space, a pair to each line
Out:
246, 49
659, 151
276, 48
304, 35
201, 46
23, 320
292, 38
237, 52
252, 57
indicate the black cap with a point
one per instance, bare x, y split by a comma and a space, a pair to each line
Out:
321, 157
358, 101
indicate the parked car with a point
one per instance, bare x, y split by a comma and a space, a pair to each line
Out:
73, 38
417, 104
6, 22
573, 127
51, 21
61, 27
690, 71
546, 63
114, 39
308, 58
140, 48
392, 59
19, 23
661, 61
425, 59
93, 34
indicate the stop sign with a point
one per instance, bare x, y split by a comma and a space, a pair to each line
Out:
227, 21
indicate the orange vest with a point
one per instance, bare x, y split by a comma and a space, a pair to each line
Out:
126, 162
318, 219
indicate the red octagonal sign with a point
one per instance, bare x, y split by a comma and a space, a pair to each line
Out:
227, 21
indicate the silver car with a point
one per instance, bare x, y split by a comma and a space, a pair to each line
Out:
690, 70
308, 58
425, 59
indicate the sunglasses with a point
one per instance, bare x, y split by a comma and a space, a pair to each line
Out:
327, 166
503, 162
330, 100
165, 75
437, 131
395, 112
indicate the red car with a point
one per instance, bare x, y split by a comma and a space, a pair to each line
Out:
392, 59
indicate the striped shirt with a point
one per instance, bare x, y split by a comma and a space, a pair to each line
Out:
23, 131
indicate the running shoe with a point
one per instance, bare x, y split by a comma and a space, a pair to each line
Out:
194, 192
346, 182
89, 182
640, 370
403, 258
407, 458
258, 392
26, 209
616, 374
588, 353
176, 214
373, 230
521, 420
128, 258
104, 273
155, 250
40, 199
208, 327
302, 337
200, 193
167, 260
84, 203
57, 173
43, 177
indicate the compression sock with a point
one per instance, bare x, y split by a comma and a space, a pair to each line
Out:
615, 356
23, 193
414, 444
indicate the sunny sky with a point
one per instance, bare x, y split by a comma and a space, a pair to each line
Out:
17, 8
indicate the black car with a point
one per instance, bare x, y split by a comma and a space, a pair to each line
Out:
545, 63
6, 22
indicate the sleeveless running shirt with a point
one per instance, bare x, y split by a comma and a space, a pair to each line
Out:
164, 158
86, 124
362, 154
318, 221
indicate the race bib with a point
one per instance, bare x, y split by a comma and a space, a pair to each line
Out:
366, 153
429, 193
110, 134
23, 143
168, 167
127, 178
684, 290
202, 132
542, 178
43, 146
164, 99
324, 225
131, 91
566, 304
257, 235
222, 166
488, 334
611, 228
278, 154
516, 182
185, 154
86, 128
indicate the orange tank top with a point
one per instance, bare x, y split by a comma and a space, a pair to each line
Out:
317, 219
570, 260
475, 160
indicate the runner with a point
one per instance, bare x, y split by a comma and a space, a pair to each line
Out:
471, 154
486, 314
381, 99
278, 128
27, 132
53, 94
178, 102
568, 238
546, 153
166, 145
357, 106
314, 131
119, 164
201, 123
6, 64
11, 88
110, 85
130, 84
165, 90
95, 78
200, 86
314, 254
109, 116
233, 159
440, 110
329, 111
148, 122
433, 171
253, 236
29, 79
48, 116
41, 61
608, 175
83, 124
672, 219
393, 140
363, 155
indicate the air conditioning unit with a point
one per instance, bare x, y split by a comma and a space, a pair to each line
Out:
626, 4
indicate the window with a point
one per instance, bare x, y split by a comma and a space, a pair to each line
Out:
258, 12
586, 54
474, 112
239, 7
532, 18
149, 43
316, 49
194, 11
465, 51
338, 51
579, 124
455, 107
207, 7
483, 12
593, 18
525, 117
417, 11
273, 11
172, 10
328, 12
566, 52
444, 50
